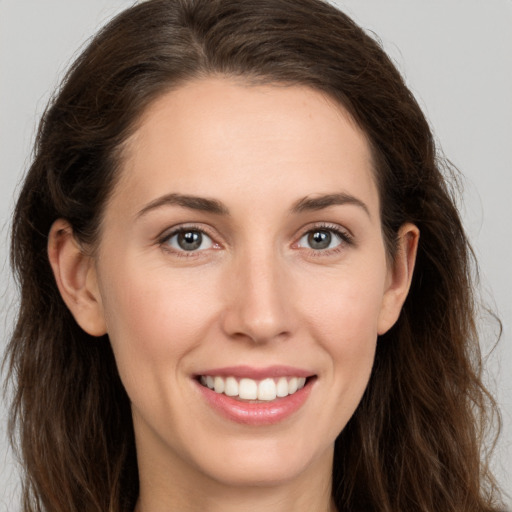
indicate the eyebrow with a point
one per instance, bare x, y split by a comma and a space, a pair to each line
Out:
186, 201
327, 200
216, 207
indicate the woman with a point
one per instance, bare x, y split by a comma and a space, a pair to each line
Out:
244, 282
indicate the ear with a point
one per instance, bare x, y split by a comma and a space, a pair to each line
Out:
399, 277
75, 275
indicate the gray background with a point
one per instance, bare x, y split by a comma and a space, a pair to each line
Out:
457, 59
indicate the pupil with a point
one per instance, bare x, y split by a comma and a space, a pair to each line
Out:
190, 240
319, 239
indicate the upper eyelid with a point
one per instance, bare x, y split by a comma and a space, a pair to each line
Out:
171, 231
327, 226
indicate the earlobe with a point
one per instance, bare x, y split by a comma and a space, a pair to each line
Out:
76, 279
399, 277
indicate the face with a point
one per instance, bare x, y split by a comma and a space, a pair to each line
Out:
242, 251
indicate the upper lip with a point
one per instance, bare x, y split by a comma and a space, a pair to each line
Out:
243, 371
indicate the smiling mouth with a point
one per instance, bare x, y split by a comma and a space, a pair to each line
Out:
264, 390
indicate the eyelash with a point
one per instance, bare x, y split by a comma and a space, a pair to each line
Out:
345, 237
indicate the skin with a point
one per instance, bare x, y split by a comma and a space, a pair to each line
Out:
254, 293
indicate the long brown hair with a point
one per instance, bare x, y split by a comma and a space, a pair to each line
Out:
415, 441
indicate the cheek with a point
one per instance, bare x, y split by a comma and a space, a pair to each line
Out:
155, 318
347, 307
343, 321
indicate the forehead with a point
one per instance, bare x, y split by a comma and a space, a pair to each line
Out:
218, 136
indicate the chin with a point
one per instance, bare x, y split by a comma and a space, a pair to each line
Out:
266, 464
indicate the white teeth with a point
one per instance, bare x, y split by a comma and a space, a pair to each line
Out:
218, 384
249, 389
267, 390
282, 387
292, 385
231, 388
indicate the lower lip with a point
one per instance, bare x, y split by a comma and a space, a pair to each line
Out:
260, 413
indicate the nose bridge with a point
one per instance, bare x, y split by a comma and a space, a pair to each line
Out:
258, 306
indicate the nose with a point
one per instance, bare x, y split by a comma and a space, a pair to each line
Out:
258, 302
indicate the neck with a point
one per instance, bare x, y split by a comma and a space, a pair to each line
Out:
255, 500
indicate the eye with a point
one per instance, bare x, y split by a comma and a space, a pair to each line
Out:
189, 240
322, 239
